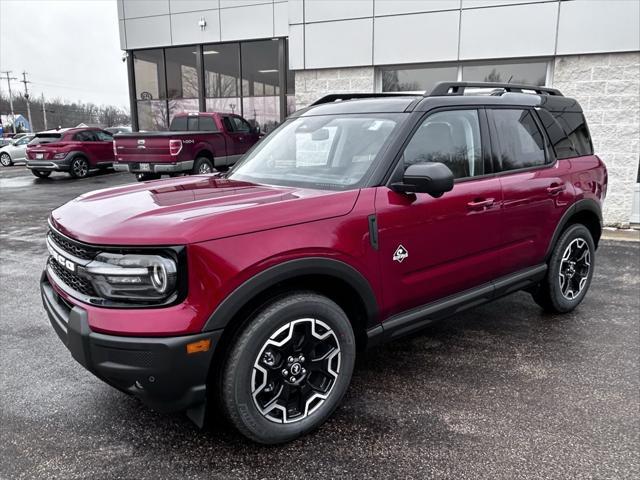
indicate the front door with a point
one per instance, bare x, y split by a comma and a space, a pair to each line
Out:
433, 247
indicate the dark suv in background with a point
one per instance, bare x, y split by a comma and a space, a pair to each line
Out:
76, 151
357, 221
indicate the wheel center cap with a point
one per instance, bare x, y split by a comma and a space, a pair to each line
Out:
296, 368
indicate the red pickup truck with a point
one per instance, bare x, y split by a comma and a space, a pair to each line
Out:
195, 143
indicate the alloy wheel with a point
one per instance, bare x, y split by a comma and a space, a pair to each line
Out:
295, 370
574, 268
5, 159
80, 167
204, 168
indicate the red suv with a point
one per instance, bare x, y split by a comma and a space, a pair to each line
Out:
355, 222
73, 150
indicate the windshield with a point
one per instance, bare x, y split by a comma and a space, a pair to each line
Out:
326, 152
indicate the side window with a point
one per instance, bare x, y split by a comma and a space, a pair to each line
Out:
241, 125
228, 124
521, 144
104, 136
452, 138
207, 124
562, 145
23, 141
575, 126
85, 136
192, 124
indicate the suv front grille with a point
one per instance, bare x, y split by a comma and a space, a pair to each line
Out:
76, 249
71, 280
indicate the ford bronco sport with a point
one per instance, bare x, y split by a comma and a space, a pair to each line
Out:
355, 222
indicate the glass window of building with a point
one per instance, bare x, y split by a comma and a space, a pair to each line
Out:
148, 66
261, 83
529, 73
182, 80
416, 79
222, 77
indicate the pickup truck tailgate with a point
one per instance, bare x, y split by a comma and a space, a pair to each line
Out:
141, 148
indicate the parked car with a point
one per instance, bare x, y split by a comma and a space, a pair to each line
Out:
15, 151
195, 143
356, 222
76, 151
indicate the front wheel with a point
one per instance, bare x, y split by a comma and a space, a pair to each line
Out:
289, 369
5, 160
570, 271
79, 167
41, 173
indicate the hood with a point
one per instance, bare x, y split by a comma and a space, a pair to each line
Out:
192, 209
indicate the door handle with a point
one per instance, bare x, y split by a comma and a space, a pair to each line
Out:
556, 189
480, 204
241, 139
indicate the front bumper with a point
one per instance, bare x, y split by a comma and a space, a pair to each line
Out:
177, 167
158, 371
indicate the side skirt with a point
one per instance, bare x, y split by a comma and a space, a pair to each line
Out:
415, 319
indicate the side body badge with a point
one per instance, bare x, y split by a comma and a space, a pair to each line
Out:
400, 254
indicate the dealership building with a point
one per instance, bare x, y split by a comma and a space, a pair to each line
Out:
264, 59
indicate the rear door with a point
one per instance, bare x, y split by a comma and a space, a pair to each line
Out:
104, 146
89, 145
434, 247
536, 189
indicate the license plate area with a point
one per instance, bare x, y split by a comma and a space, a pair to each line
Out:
145, 167
39, 156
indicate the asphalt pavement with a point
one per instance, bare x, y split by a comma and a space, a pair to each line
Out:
499, 392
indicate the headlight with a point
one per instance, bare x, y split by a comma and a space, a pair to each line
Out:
133, 277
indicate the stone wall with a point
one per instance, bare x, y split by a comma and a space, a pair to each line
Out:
313, 84
608, 88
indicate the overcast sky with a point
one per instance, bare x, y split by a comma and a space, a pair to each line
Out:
69, 48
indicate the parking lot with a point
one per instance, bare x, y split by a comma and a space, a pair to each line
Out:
501, 391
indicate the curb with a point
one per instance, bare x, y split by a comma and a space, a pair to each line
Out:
630, 235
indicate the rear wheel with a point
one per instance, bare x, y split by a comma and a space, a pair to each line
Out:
41, 173
5, 160
79, 167
570, 271
202, 165
289, 369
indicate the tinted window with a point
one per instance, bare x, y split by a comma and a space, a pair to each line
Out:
86, 136
45, 138
240, 125
104, 136
521, 144
179, 124
562, 145
228, 124
575, 126
192, 124
452, 138
207, 124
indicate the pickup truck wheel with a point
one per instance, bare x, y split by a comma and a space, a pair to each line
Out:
202, 165
5, 160
79, 167
41, 173
289, 369
570, 271
143, 177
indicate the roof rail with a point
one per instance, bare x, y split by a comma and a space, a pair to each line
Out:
350, 96
458, 88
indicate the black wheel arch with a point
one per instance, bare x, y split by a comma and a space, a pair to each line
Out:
586, 212
333, 278
206, 153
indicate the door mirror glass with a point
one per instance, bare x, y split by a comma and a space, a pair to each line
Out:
433, 178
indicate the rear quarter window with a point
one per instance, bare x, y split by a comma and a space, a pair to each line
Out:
575, 127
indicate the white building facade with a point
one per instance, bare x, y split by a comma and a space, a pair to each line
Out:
266, 58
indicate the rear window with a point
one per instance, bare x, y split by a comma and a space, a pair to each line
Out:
207, 124
192, 124
575, 127
45, 138
179, 124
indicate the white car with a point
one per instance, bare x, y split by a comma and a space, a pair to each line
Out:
16, 151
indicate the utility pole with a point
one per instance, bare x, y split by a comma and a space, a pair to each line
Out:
26, 96
44, 111
13, 116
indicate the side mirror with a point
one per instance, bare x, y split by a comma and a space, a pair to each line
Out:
433, 178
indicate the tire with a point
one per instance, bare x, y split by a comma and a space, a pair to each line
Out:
304, 317
41, 173
143, 177
570, 271
79, 167
202, 166
5, 160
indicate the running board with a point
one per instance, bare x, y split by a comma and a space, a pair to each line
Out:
415, 319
